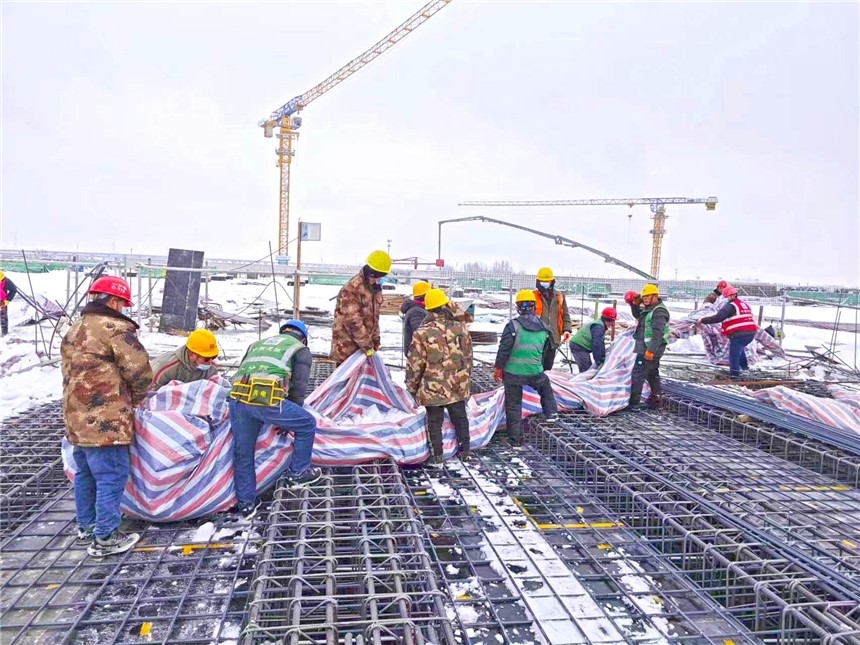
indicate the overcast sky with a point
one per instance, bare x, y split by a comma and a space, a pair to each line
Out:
133, 126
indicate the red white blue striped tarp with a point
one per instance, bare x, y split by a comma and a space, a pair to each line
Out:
841, 412
181, 455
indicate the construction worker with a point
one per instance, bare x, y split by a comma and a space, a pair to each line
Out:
439, 372
551, 308
651, 336
738, 325
270, 388
191, 362
8, 291
413, 312
716, 293
525, 351
356, 314
588, 341
106, 373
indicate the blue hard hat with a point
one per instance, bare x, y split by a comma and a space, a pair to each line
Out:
294, 324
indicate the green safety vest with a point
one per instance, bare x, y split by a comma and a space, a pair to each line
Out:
270, 357
648, 330
527, 354
583, 336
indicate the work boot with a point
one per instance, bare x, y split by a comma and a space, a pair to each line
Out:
115, 543
552, 418
464, 455
307, 478
248, 510
434, 460
654, 403
515, 442
85, 535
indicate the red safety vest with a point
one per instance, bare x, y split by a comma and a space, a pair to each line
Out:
742, 320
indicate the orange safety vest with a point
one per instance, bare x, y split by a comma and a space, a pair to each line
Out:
539, 308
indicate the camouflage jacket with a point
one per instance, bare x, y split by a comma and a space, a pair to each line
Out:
439, 362
356, 319
176, 366
106, 373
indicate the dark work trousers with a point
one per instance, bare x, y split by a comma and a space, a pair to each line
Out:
646, 371
582, 357
737, 356
435, 418
4, 320
514, 400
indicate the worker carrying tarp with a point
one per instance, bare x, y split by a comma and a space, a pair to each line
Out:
589, 340
270, 387
8, 291
716, 293
356, 314
439, 373
413, 311
525, 352
738, 325
551, 308
192, 361
652, 336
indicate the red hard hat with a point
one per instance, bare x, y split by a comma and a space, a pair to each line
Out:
728, 292
630, 296
722, 284
113, 286
609, 313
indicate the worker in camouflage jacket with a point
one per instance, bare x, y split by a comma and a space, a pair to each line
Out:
106, 373
439, 372
191, 362
356, 314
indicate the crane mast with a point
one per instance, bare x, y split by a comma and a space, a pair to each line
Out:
657, 204
286, 119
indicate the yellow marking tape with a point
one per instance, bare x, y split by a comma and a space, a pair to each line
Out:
52, 587
849, 543
187, 549
603, 546
145, 629
584, 525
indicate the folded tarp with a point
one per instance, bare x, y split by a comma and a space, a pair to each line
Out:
842, 411
182, 451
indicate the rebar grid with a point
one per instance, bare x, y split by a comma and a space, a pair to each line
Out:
776, 596
31, 469
169, 589
563, 530
815, 514
809, 453
482, 379
345, 560
321, 369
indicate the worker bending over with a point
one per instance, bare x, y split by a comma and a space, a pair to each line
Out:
525, 351
413, 312
8, 291
191, 362
356, 314
439, 372
270, 388
588, 341
738, 325
651, 336
551, 308
716, 293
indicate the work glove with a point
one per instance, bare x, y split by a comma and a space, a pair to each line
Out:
283, 432
497, 375
376, 347
649, 355
5, 303
370, 352
565, 337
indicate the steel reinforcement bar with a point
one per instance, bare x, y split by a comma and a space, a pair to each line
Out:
778, 596
344, 562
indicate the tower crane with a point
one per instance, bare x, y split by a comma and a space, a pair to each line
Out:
286, 119
657, 204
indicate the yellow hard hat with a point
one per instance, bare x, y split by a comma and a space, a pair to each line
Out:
650, 290
379, 261
434, 299
526, 295
202, 342
545, 274
2, 275
420, 288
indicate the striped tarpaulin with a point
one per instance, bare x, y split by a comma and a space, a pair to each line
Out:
181, 455
839, 413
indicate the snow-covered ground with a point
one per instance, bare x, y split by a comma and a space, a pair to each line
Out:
29, 355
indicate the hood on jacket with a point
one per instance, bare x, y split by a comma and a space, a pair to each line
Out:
101, 309
411, 304
531, 322
443, 312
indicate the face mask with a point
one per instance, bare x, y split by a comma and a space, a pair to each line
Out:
545, 285
204, 367
383, 280
126, 311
